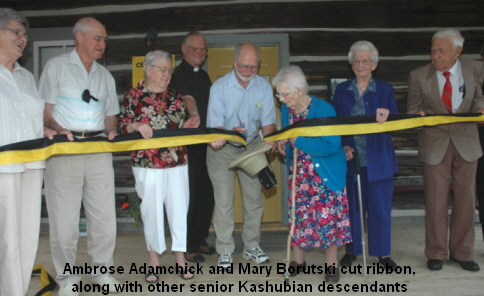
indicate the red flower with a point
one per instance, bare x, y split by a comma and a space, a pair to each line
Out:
125, 205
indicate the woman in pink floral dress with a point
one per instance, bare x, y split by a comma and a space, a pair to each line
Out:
161, 174
321, 205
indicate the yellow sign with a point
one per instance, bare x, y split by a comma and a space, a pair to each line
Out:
138, 73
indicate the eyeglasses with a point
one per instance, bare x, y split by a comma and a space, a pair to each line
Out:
18, 33
164, 70
197, 49
247, 67
281, 96
86, 96
364, 62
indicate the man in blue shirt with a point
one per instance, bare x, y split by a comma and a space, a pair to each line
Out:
240, 101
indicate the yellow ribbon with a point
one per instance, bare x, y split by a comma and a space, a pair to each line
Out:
357, 125
40, 149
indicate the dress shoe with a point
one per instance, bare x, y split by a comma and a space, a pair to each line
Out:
387, 262
296, 268
347, 260
207, 250
332, 278
435, 264
194, 257
467, 265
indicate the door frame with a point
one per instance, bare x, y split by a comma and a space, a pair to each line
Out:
282, 42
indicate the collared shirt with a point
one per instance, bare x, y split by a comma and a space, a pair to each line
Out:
187, 81
21, 113
63, 81
457, 82
230, 104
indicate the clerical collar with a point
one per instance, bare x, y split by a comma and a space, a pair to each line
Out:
196, 69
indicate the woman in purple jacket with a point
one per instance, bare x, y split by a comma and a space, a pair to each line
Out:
365, 95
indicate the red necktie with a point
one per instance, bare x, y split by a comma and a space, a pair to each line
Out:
447, 93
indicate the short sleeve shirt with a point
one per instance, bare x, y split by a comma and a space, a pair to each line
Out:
63, 81
21, 114
161, 111
231, 105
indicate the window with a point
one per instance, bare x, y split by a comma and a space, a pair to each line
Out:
44, 50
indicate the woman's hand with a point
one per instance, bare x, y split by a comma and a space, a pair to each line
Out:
143, 128
192, 122
348, 152
281, 146
274, 146
382, 115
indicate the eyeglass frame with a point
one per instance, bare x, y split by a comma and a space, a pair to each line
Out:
283, 96
18, 32
247, 67
198, 49
364, 62
164, 69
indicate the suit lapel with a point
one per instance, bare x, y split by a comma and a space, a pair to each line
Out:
469, 83
433, 90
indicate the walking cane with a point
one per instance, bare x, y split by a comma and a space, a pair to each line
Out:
293, 214
360, 208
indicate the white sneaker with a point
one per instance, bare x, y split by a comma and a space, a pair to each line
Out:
106, 280
257, 255
225, 260
66, 290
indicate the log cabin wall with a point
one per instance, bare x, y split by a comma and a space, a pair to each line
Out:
320, 34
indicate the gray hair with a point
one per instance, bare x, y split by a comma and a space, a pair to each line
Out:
8, 14
293, 76
452, 34
238, 49
153, 57
186, 39
363, 45
84, 25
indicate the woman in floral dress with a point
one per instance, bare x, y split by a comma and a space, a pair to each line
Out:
161, 174
321, 205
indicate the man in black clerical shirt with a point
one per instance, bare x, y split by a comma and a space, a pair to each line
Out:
194, 84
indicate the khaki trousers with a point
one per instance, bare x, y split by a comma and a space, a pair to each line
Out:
223, 180
460, 244
69, 181
20, 197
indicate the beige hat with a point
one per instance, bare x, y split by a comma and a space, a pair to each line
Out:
253, 160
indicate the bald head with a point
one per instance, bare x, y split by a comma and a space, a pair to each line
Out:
85, 25
91, 38
246, 48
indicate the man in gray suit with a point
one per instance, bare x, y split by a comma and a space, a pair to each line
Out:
448, 85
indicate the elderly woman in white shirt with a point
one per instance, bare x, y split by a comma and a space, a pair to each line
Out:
21, 119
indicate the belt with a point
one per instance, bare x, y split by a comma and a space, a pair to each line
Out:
86, 134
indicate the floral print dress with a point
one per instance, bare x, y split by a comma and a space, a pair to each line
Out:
163, 110
322, 217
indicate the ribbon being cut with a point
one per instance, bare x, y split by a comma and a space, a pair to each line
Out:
40, 149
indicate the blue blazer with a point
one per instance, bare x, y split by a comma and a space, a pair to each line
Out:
381, 158
326, 152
